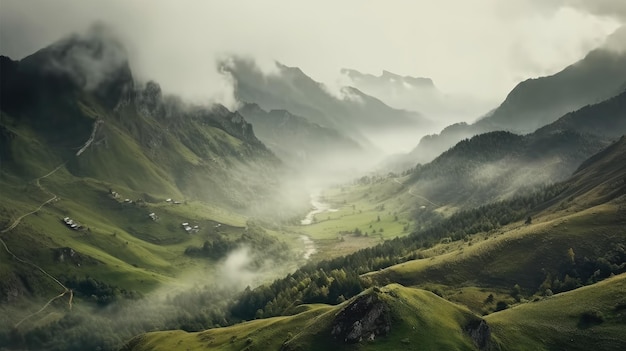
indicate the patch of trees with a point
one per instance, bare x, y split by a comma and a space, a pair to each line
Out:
308, 285
482, 168
256, 238
99, 292
579, 271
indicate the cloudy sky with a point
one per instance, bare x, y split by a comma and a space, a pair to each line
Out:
479, 47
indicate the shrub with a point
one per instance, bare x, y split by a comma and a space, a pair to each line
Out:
501, 305
590, 318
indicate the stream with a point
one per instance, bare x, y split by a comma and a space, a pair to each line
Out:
318, 207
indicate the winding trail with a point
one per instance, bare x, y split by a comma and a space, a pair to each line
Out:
54, 197
17, 221
416, 195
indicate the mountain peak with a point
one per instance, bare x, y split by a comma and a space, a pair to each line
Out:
95, 61
388, 77
617, 40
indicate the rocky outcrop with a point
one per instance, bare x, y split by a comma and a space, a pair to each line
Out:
366, 318
479, 331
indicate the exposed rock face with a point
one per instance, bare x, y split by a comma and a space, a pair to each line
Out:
364, 319
480, 333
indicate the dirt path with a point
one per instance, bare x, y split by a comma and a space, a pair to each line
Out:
54, 197
15, 223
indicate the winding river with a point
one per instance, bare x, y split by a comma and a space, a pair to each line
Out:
318, 207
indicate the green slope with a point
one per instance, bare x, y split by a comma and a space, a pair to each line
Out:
420, 319
588, 318
570, 235
403, 317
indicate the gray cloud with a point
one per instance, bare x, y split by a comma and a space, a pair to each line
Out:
481, 48
609, 8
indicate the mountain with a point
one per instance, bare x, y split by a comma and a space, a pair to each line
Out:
296, 140
113, 189
81, 85
538, 102
354, 113
393, 80
416, 94
496, 165
603, 122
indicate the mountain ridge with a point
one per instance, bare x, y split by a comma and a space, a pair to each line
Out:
540, 101
357, 115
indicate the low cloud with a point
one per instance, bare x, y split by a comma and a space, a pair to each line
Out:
177, 44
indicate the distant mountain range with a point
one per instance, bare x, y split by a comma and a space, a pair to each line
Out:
389, 78
417, 94
355, 114
296, 140
538, 102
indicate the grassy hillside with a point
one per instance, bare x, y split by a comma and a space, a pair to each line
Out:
526, 255
393, 317
420, 319
592, 317
569, 237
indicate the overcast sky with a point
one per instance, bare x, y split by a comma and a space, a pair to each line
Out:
478, 47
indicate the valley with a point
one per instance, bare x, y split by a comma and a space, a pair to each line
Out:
301, 215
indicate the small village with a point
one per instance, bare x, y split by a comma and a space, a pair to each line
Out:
186, 226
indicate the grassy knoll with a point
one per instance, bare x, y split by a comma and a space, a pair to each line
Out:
589, 318
417, 319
